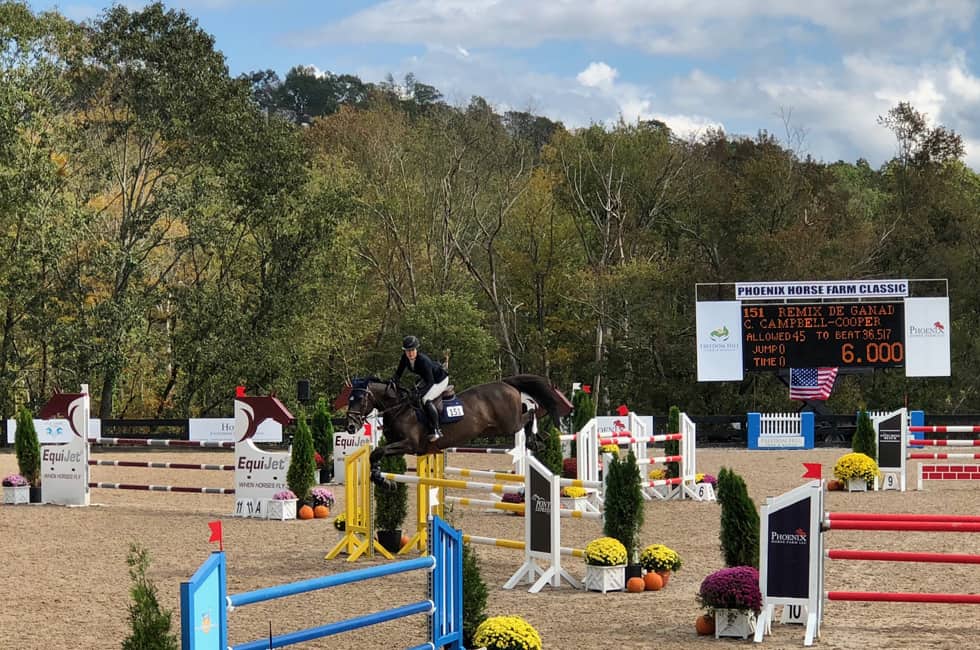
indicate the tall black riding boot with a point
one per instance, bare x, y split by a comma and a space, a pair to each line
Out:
433, 414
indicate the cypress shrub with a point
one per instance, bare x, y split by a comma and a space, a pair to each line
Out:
583, 411
623, 503
391, 506
864, 437
322, 425
27, 448
149, 623
673, 447
301, 476
474, 596
551, 456
739, 521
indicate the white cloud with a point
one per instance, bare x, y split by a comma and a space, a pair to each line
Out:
963, 84
597, 75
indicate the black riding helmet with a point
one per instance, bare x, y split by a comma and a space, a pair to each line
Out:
410, 343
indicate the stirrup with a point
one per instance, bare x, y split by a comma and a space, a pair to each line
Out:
435, 435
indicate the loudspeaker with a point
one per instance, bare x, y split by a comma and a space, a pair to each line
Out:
303, 390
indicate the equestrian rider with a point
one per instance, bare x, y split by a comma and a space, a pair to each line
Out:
432, 376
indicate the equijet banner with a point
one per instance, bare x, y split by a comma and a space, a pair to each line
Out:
719, 340
927, 332
223, 430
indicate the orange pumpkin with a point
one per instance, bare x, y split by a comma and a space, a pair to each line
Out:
652, 581
634, 585
405, 541
705, 625
321, 512
306, 512
833, 485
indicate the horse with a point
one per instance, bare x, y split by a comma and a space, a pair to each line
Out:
500, 408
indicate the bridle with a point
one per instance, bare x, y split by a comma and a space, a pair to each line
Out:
356, 419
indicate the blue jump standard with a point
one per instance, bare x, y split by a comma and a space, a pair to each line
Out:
204, 605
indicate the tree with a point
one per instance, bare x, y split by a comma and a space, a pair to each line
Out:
864, 441
149, 622
323, 431
27, 448
673, 447
739, 532
474, 595
301, 476
623, 516
551, 456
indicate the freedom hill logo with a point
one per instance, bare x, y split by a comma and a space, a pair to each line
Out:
719, 341
935, 331
799, 537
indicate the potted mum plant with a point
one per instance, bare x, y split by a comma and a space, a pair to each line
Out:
660, 559
857, 471
733, 598
282, 505
322, 500
605, 565
507, 633
16, 489
573, 498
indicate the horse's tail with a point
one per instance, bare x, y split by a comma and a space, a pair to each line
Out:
541, 391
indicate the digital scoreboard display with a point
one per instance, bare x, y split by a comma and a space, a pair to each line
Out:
852, 335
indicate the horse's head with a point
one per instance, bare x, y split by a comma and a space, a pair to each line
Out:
366, 395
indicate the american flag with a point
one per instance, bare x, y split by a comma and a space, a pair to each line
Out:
811, 383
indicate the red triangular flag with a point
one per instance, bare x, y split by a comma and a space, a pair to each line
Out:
813, 470
586, 389
623, 410
215, 527
239, 391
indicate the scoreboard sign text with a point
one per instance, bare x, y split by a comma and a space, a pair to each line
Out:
854, 335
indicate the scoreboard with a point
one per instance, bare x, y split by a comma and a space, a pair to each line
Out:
851, 335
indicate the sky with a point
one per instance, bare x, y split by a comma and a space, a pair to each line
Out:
815, 74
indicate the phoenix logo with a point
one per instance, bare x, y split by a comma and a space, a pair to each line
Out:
939, 326
801, 533
720, 334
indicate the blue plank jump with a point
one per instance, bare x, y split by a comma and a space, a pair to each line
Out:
204, 605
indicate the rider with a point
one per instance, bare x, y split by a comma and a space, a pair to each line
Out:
433, 379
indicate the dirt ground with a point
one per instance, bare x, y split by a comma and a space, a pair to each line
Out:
66, 583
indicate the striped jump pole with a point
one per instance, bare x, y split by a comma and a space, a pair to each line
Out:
161, 488
884, 516
520, 507
914, 442
515, 544
160, 465
903, 556
904, 597
158, 442
498, 488
968, 428
904, 525
942, 456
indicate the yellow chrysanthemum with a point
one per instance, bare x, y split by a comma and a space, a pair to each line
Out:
605, 551
507, 633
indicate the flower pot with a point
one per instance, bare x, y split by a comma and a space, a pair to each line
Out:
326, 474
605, 578
574, 503
281, 509
664, 575
857, 485
391, 540
35, 493
16, 494
634, 571
734, 622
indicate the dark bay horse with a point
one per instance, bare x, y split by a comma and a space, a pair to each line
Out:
500, 408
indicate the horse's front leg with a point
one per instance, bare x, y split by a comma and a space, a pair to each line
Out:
392, 449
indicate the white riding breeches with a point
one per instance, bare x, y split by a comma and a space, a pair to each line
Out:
436, 390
